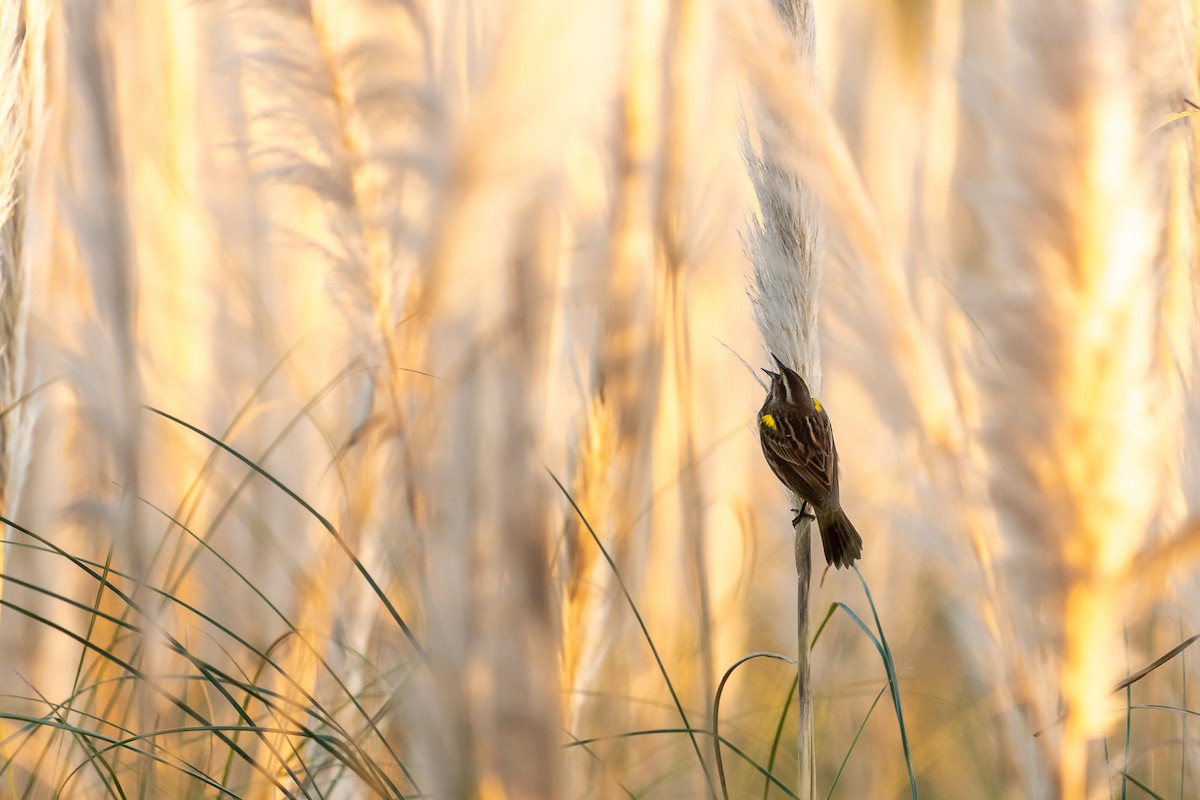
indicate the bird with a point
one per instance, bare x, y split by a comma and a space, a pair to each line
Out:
797, 441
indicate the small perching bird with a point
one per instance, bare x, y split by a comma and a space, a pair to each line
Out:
797, 440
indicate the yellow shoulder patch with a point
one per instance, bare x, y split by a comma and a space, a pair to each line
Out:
768, 421
817, 403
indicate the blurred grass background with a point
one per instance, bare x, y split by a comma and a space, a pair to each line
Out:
408, 266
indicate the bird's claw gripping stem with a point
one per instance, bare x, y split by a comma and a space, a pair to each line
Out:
801, 513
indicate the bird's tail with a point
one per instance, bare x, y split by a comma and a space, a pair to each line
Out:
842, 543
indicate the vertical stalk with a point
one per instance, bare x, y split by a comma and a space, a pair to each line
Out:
806, 765
787, 243
798, 14
13, 146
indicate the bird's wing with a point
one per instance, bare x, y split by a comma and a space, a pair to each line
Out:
813, 469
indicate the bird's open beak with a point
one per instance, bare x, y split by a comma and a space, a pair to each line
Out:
778, 363
773, 375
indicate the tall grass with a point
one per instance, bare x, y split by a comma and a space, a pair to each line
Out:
16, 153
453, 489
787, 247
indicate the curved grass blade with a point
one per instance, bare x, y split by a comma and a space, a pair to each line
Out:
206, 670
853, 742
326, 524
787, 705
358, 761
717, 709
105, 771
662, 668
135, 672
199, 482
1141, 673
889, 666
113, 743
691, 731
292, 630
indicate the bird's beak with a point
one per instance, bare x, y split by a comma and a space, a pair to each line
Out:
773, 375
778, 363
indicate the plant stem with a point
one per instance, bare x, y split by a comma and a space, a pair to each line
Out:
807, 781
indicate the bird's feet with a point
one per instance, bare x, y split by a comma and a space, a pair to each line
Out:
801, 513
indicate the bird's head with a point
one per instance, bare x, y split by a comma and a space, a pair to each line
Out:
788, 389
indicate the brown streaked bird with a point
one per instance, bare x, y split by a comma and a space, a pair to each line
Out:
797, 440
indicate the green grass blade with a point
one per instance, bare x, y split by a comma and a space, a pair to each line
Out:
778, 737
717, 709
325, 523
853, 742
1126, 776
662, 668
885, 655
692, 731
210, 674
